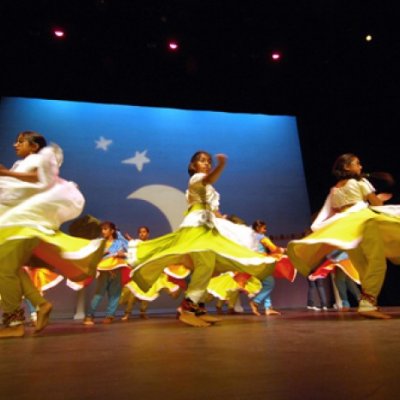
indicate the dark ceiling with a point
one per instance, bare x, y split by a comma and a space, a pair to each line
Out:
343, 89
115, 51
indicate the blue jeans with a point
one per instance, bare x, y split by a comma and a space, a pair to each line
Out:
264, 296
344, 285
108, 282
313, 286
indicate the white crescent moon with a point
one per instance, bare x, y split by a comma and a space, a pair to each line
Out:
170, 201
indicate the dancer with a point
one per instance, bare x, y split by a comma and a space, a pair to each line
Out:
34, 202
265, 246
109, 273
43, 279
316, 285
344, 278
227, 287
171, 281
197, 244
130, 296
355, 220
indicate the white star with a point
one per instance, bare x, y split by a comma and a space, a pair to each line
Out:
103, 143
138, 160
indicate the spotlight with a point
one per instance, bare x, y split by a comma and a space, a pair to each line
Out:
59, 33
276, 56
368, 38
173, 45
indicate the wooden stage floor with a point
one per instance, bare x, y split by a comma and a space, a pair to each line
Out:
298, 355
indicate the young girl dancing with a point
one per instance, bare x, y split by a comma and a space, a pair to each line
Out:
266, 246
131, 293
34, 202
197, 244
355, 220
109, 273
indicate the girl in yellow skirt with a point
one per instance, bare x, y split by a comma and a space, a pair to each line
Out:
171, 282
197, 244
227, 286
355, 220
43, 279
34, 202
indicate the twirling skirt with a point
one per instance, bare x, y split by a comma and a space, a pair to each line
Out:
153, 256
162, 283
223, 285
72, 257
345, 234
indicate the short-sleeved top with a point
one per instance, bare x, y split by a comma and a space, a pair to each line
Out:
13, 190
352, 192
265, 244
198, 193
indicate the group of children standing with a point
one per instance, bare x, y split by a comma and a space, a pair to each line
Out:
35, 201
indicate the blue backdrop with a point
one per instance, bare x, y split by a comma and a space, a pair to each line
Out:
131, 162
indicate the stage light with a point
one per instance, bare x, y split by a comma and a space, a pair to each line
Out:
276, 56
58, 33
368, 38
173, 45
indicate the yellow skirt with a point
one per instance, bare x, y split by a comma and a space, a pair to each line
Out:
152, 256
344, 234
222, 286
43, 278
161, 283
72, 257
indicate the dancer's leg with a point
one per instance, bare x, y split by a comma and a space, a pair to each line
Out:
370, 262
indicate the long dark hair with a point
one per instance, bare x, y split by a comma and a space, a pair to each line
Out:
194, 159
339, 170
112, 226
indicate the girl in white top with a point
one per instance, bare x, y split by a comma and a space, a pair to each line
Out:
205, 243
353, 219
34, 202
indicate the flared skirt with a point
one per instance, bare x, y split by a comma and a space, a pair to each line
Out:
344, 234
151, 257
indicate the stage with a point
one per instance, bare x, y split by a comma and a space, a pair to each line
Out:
300, 354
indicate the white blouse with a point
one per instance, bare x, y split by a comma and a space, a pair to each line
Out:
45, 204
352, 192
198, 193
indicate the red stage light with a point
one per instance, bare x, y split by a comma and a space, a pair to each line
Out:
276, 56
58, 33
173, 45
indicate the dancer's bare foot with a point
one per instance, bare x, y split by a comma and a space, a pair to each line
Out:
143, 315
43, 315
12, 331
191, 319
125, 317
271, 311
254, 308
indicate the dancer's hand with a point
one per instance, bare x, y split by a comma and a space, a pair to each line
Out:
384, 196
3, 169
221, 158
